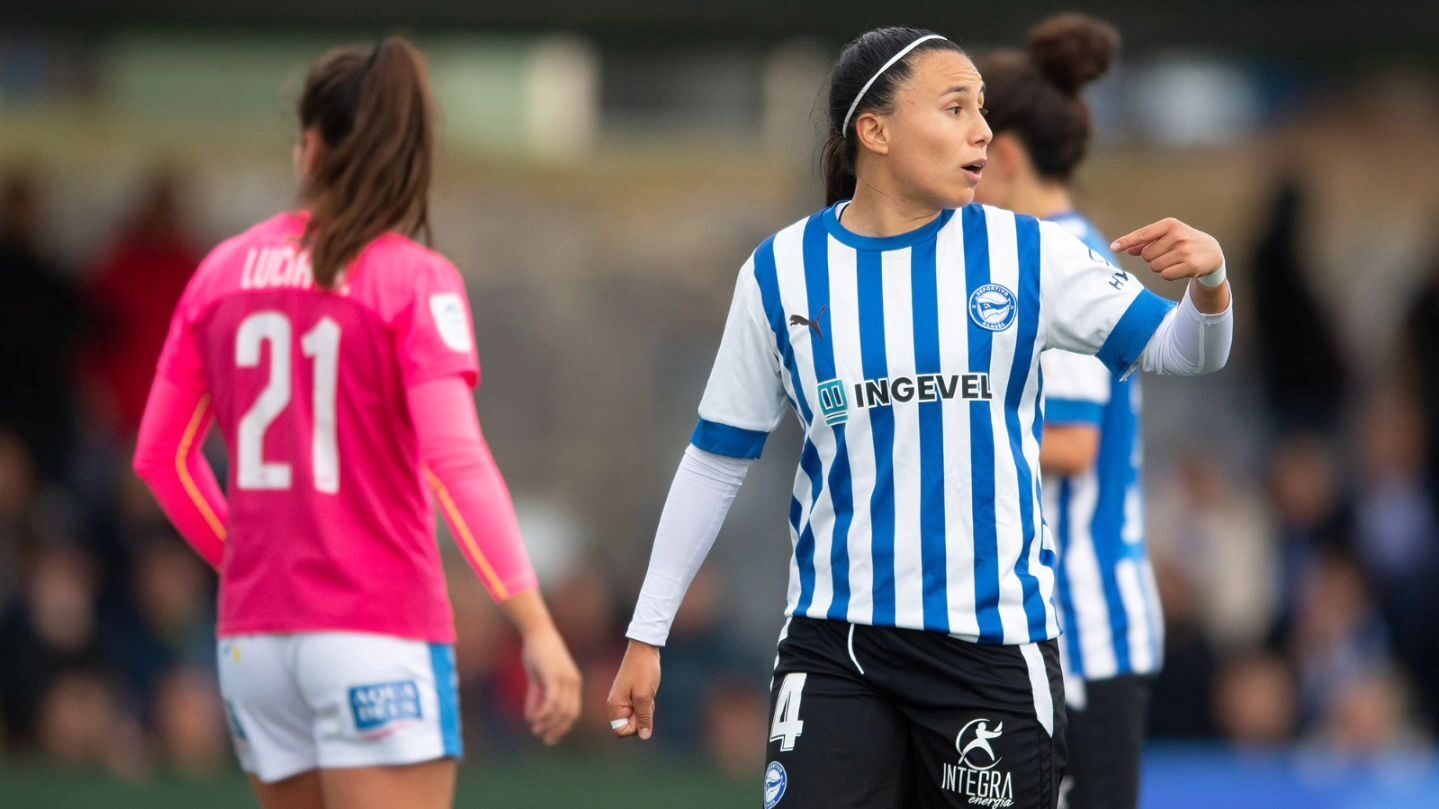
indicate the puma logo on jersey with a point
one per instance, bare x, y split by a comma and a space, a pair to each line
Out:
801, 320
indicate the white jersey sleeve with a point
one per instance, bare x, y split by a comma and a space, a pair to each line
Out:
1092, 307
1076, 387
745, 397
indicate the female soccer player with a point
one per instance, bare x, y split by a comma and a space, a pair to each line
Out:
1090, 454
904, 325
336, 355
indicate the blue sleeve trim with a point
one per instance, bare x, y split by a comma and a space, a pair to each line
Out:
1131, 334
1073, 411
722, 439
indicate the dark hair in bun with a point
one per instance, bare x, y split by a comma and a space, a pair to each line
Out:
1072, 50
1034, 94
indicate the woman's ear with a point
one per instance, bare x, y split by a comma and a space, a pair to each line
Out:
873, 132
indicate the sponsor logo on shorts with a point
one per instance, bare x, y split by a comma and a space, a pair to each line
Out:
977, 775
380, 709
775, 781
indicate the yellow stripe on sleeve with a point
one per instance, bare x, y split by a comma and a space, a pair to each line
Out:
463, 529
184, 471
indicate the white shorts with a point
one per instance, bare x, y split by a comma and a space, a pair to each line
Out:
338, 699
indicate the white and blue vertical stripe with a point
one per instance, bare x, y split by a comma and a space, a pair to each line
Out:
915, 514
1110, 609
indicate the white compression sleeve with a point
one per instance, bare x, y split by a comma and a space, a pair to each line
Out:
1189, 342
703, 490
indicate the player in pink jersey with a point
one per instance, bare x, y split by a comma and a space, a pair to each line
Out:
336, 356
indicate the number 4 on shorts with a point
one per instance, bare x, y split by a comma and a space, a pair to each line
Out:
787, 726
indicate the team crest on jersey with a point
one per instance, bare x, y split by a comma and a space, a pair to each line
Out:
977, 775
378, 708
993, 307
775, 781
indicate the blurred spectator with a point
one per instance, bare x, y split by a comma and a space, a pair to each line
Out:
79, 721
1207, 523
735, 724
1338, 637
163, 625
1372, 717
18, 486
41, 325
1311, 516
699, 656
1398, 537
1303, 371
1255, 701
134, 287
49, 631
1181, 706
190, 722
1420, 350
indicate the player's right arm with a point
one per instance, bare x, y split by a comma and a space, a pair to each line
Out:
172, 431
743, 402
441, 370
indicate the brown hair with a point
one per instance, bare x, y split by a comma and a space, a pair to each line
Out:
1035, 93
861, 60
373, 110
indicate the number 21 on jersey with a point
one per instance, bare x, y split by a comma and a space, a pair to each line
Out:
787, 726
322, 344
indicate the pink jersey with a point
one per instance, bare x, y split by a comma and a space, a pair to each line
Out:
329, 521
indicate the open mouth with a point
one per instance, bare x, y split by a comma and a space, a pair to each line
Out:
974, 170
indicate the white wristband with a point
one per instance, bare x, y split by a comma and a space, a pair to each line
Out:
1213, 279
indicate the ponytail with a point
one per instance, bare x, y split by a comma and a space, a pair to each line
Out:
375, 115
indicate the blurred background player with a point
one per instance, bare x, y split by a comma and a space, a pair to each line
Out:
903, 325
1090, 455
336, 355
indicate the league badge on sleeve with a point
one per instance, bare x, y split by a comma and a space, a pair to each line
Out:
449, 312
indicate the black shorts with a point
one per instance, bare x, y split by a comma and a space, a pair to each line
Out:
1106, 739
881, 718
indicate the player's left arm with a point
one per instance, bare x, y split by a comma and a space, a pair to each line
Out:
1095, 308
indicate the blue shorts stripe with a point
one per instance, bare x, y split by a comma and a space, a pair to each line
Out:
447, 689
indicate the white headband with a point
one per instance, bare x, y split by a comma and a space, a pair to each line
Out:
887, 65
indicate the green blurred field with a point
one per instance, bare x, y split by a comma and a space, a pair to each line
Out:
563, 782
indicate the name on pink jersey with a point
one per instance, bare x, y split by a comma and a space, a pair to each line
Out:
282, 267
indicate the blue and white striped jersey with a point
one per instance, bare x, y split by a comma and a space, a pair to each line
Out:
1109, 603
912, 363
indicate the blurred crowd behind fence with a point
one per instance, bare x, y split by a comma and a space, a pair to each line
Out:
599, 202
